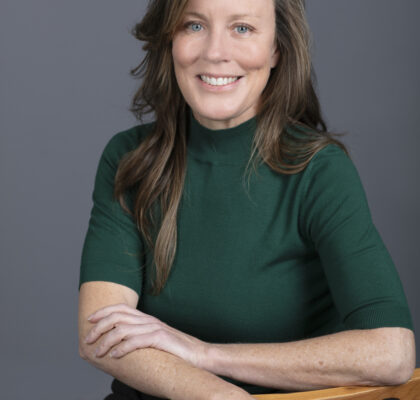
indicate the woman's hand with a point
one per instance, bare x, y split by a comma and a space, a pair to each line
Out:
125, 329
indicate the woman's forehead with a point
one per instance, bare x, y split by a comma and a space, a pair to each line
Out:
256, 9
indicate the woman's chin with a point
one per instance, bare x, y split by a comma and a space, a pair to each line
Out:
218, 117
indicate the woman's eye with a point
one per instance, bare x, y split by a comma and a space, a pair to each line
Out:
243, 29
194, 26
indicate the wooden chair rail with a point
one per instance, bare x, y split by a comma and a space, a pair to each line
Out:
408, 391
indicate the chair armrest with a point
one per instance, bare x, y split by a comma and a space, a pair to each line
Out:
408, 391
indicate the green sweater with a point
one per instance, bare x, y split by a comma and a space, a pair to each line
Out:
287, 258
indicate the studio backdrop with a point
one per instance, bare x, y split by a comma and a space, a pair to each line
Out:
65, 89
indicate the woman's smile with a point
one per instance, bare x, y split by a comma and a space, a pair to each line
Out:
218, 84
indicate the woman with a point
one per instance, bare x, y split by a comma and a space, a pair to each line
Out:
204, 278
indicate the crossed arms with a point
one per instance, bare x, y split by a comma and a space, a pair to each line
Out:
187, 368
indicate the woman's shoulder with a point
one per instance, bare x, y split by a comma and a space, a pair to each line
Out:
127, 140
332, 152
305, 134
332, 171
331, 164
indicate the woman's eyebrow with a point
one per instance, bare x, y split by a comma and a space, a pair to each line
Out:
231, 17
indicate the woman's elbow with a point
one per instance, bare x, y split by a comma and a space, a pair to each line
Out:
82, 352
87, 353
401, 358
398, 373
83, 347
402, 371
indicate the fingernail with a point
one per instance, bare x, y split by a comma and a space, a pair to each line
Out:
90, 317
113, 353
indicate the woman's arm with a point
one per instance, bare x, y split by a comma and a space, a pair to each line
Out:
148, 370
381, 356
374, 357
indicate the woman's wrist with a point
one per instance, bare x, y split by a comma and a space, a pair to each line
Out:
212, 359
229, 391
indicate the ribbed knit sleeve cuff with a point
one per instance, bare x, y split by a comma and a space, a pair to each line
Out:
111, 273
379, 315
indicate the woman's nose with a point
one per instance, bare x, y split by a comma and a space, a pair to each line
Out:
217, 47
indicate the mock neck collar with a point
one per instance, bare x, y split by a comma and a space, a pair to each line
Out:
221, 146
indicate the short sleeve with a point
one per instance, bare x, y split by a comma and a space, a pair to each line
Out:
113, 248
361, 275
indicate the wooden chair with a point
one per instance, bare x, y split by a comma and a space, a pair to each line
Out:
408, 391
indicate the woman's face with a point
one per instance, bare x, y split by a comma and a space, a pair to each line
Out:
223, 53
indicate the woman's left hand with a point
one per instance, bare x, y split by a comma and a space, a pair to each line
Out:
125, 329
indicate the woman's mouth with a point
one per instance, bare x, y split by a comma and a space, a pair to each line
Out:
220, 82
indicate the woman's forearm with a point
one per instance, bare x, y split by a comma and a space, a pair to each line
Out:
384, 356
164, 375
148, 370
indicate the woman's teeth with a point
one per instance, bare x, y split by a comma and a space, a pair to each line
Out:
218, 81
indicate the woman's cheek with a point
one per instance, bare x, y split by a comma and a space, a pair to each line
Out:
186, 51
251, 57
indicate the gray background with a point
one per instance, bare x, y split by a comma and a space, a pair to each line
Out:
65, 90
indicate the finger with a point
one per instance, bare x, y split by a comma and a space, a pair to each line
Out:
110, 322
123, 333
104, 311
150, 339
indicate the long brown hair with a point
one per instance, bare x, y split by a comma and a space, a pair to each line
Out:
155, 170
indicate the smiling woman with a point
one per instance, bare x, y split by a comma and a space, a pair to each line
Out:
198, 284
